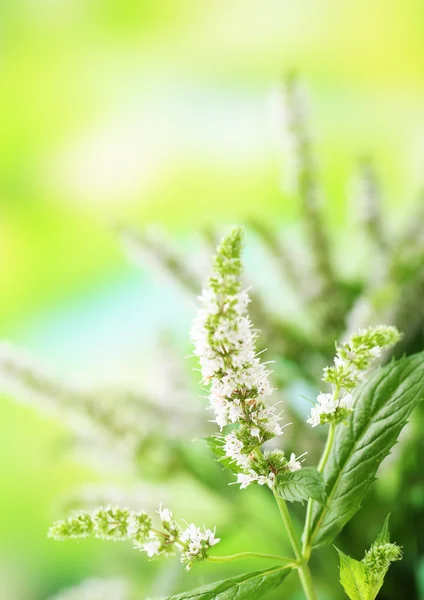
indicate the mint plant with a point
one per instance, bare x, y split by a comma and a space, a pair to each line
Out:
362, 580
365, 412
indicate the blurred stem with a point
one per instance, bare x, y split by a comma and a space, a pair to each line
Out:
152, 247
302, 564
270, 239
241, 555
306, 549
370, 209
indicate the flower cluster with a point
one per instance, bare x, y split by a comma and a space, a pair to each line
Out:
224, 343
351, 364
117, 524
378, 558
194, 544
268, 468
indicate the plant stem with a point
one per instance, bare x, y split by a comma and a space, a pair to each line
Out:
289, 526
241, 555
327, 449
306, 550
302, 565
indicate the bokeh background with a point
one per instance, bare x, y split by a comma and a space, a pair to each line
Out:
135, 113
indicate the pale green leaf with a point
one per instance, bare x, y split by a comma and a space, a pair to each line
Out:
249, 586
375, 583
302, 485
215, 443
353, 577
382, 409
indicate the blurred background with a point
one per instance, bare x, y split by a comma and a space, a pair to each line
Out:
132, 133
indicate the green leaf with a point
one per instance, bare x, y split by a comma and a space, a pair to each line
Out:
382, 409
302, 485
353, 577
249, 586
375, 583
215, 443
384, 535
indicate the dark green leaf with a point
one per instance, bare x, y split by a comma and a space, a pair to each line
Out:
302, 485
353, 577
249, 586
382, 409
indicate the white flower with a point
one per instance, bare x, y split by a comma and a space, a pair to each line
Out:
165, 514
256, 432
346, 401
195, 543
151, 547
233, 448
210, 537
235, 412
327, 403
244, 480
294, 464
268, 480
315, 418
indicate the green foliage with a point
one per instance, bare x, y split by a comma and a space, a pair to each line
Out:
352, 577
362, 580
248, 586
382, 409
302, 485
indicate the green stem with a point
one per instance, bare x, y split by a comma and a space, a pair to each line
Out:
306, 550
327, 449
289, 526
302, 565
241, 555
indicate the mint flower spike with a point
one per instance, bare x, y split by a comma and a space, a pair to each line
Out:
352, 362
224, 343
379, 557
266, 469
117, 524
77, 526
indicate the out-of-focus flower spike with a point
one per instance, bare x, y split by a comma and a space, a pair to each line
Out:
111, 422
298, 143
367, 204
151, 246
